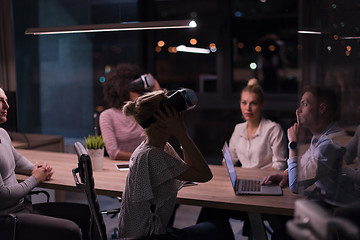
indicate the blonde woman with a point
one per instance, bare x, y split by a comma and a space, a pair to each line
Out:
258, 142
157, 173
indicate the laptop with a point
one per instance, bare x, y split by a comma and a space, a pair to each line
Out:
247, 186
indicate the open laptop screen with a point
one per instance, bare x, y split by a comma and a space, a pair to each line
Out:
229, 163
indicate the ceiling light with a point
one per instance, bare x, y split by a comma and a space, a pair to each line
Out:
309, 32
111, 27
350, 38
183, 48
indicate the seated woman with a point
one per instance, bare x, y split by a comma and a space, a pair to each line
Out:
157, 173
257, 142
121, 134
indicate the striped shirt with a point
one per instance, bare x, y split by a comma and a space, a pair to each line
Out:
119, 132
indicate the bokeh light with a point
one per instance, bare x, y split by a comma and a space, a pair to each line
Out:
107, 68
193, 41
161, 43
258, 49
102, 79
253, 66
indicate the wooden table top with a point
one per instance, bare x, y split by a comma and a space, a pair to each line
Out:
217, 193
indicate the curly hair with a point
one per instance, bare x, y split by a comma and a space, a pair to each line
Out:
117, 85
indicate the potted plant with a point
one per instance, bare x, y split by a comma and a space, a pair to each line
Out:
95, 147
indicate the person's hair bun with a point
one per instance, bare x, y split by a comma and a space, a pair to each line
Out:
252, 82
253, 86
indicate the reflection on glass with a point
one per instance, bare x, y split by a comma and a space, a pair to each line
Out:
318, 169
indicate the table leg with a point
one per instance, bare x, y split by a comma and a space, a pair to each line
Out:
257, 228
60, 196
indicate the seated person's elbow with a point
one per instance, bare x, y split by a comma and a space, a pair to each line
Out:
204, 176
208, 177
196, 176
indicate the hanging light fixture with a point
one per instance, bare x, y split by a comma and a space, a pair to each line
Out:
112, 27
183, 48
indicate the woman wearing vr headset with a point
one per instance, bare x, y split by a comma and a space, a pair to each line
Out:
122, 134
157, 173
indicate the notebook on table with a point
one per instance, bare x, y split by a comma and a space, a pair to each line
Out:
247, 186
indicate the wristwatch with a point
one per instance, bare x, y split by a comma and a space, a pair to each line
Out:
292, 145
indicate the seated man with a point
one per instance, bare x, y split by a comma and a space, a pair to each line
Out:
321, 163
29, 225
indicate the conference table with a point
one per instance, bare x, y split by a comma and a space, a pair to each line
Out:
217, 193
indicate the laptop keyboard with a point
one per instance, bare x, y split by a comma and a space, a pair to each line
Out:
250, 185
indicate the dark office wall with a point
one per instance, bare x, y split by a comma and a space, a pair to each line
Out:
58, 94
65, 71
54, 72
25, 15
58, 75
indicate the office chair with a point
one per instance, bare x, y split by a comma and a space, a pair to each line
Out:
313, 222
86, 183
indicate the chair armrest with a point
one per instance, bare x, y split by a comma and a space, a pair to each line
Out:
76, 179
41, 192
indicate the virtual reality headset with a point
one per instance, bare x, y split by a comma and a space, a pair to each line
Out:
181, 100
143, 83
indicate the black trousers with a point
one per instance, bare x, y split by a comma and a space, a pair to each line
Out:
56, 221
75, 212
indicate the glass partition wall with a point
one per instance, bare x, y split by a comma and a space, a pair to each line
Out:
284, 44
246, 39
60, 74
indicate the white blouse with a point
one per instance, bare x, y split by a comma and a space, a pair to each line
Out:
266, 148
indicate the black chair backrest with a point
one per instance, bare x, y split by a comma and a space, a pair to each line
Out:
86, 183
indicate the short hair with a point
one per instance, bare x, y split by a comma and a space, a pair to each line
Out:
327, 96
117, 85
254, 88
144, 106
